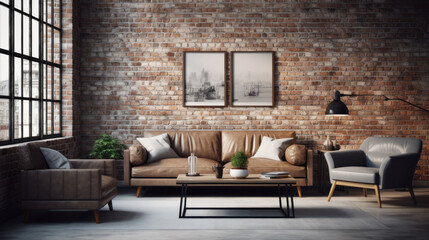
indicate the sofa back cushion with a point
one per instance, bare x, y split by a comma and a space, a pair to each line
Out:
248, 141
31, 157
205, 144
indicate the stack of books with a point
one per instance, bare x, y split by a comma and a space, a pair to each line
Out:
270, 175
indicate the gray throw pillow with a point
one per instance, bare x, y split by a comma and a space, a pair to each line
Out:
158, 147
55, 159
273, 148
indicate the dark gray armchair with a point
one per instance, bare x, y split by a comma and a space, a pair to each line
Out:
381, 163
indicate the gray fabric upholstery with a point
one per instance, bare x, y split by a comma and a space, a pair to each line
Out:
395, 160
356, 174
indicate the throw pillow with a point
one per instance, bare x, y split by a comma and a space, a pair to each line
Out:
158, 147
55, 159
273, 148
296, 154
138, 154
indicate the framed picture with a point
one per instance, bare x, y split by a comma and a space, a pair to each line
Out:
204, 78
252, 79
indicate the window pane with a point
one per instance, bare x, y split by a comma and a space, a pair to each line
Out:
35, 8
48, 43
5, 1
35, 38
35, 79
47, 88
57, 88
4, 119
45, 12
18, 33
56, 118
18, 4
4, 27
26, 78
18, 77
56, 46
44, 41
47, 111
35, 119
26, 35
56, 13
4, 74
18, 119
26, 6
26, 120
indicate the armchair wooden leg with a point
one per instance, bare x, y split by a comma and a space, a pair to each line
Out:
139, 189
364, 192
27, 216
97, 216
298, 189
332, 190
110, 205
377, 193
410, 189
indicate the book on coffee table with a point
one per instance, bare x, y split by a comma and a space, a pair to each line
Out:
275, 175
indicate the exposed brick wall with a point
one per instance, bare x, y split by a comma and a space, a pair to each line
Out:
131, 67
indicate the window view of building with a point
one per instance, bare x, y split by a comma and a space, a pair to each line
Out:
30, 70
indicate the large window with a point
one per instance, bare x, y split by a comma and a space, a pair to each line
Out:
30, 70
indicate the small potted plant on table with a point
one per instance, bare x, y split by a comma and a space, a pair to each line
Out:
239, 165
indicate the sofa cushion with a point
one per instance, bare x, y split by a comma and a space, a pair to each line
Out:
158, 147
248, 141
172, 167
108, 185
31, 157
205, 144
138, 154
296, 154
273, 148
260, 165
55, 159
356, 174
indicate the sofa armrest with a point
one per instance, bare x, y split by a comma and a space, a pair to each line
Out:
398, 171
345, 158
127, 168
61, 184
107, 166
309, 167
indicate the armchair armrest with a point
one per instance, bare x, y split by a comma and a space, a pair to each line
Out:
345, 158
107, 166
127, 168
61, 184
398, 171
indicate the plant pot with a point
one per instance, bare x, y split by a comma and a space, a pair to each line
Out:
239, 172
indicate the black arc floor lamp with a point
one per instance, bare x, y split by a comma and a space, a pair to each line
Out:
337, 107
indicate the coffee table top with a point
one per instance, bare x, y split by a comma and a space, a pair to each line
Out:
227, 179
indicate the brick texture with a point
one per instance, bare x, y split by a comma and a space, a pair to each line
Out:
131, 67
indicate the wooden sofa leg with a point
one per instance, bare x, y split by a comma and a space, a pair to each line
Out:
97, 216
139, 189
334, 184
410, 189
364, 192
377, 193
298, 189
27, 216
110, 205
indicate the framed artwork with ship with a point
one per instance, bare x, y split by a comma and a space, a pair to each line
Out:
252, 79
204, 79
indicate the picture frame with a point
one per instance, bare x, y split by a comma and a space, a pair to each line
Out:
252, 79
204, 79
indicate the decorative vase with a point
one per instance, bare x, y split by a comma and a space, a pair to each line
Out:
239, 172
328, 144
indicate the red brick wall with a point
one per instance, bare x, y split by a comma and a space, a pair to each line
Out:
131, 67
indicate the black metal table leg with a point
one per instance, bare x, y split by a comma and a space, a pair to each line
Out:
181, 201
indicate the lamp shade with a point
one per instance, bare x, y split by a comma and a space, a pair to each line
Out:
336, 107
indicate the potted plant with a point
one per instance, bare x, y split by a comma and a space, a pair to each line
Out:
109, 147
239, 165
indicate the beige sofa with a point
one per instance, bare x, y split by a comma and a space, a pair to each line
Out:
211, 147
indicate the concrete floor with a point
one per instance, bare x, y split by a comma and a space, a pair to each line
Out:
155, 216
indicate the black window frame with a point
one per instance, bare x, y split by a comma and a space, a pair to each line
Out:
41, 62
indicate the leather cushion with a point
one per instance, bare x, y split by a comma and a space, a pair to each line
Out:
356, 174
296, 154
172, 167
108, 185
31, 157
260, 165
205, 144
138, 154
248, 141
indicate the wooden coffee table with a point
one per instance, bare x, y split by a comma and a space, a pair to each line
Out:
252, 179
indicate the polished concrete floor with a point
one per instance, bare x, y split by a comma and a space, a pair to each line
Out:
349, 215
